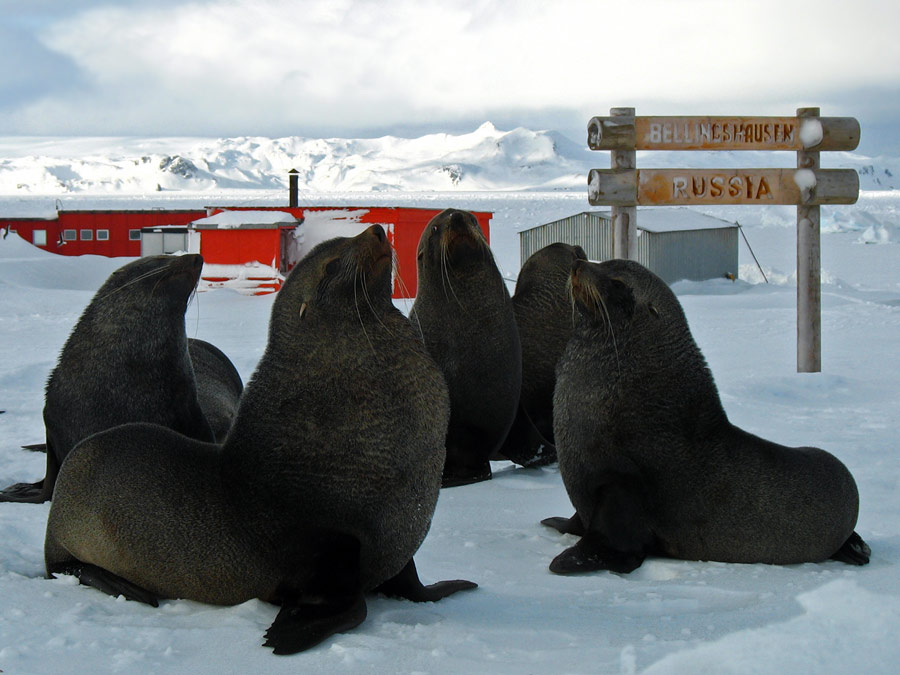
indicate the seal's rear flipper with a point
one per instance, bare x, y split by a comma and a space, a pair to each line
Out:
525, 444
35, 493
454, 477
467, 458
407, 585
854, 551
297, 627
104, 580
571, 525
35, 447
24, 493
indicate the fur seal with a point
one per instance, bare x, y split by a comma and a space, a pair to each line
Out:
219, 385
544, 319
126, 360
323, 490
466, 317
650, 460
219, 388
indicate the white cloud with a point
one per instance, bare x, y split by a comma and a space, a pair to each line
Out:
228, 64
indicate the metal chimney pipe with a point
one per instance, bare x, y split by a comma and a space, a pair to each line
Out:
293, 188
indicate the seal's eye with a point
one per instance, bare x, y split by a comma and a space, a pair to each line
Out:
333, 266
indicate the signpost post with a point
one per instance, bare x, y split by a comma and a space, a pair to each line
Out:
624, 215
624, 186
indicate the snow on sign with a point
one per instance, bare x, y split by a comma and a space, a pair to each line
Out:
624, 186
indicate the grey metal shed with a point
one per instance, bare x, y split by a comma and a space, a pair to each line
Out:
166, 239
676, 243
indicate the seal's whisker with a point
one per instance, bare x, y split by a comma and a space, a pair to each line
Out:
146, 275
443, 261
413, 318
445, 274
193, 295
358, 276
401, 284
371, 305
417, 324
570, 293
155, 286
609, 326
595, 298
398, 278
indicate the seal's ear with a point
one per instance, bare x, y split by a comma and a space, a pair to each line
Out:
652, 309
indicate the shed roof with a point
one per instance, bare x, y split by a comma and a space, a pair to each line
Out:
679, 219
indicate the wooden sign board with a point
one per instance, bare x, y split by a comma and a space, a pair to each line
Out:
623, 186
723, 133
702, 187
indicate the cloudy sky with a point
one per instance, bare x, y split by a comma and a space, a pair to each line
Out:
370, 67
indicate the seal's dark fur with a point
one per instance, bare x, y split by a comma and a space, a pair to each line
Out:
323, 490
126, 360
650, 460
465, 314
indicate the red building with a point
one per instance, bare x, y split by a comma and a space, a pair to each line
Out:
111, 233
261, 252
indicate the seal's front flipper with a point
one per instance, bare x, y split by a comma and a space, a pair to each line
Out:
591, 554
35, 447
320, 601
297, 627
104, 580
571, 525
616, 534
854, 551
407, 585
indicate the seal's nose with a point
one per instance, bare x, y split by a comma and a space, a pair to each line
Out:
381, 247
458, 221
379, 233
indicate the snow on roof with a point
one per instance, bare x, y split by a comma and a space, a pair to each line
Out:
662, 219
234, 219
678, 220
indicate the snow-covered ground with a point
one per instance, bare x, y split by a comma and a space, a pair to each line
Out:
667, 616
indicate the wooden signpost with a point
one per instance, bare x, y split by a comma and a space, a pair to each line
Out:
624, 186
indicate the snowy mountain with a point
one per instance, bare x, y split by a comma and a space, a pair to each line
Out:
485, 159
